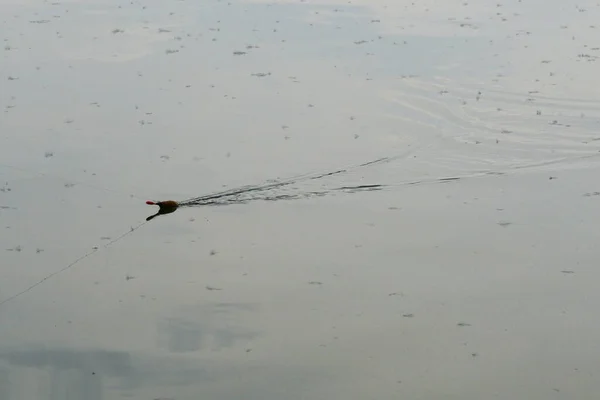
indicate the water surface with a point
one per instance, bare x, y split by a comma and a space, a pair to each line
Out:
445, 249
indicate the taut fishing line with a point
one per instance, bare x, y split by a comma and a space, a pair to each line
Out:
72, 264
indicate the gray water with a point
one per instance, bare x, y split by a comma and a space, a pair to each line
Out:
445, 249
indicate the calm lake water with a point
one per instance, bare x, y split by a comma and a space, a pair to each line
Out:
422, 220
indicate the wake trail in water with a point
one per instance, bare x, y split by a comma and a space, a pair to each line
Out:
276, 190
269, 191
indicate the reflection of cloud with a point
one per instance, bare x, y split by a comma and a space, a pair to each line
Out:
134, 42
401, 17
69, 373
59, 374
110, 363
206, 326
4, 382
94, 31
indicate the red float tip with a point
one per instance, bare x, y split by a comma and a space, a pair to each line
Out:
151, 203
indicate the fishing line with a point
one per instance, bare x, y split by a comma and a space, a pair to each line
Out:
72, 264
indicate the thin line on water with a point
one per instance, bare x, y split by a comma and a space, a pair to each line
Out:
71, 265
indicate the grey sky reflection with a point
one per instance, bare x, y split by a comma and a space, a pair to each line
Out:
69, 374
212, 326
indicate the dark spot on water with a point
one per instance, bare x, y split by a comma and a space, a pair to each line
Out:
463, 324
